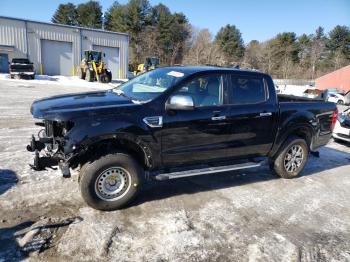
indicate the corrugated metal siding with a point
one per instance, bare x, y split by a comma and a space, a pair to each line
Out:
91, 38
37, 31
13, 32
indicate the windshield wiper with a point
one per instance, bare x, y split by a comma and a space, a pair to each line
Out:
121, 93
134, 100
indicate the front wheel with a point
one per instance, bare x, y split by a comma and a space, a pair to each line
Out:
110, 182
89, 75
80, 73
291, 158
340, 102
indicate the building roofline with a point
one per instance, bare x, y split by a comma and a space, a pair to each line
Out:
330, 73
68, 26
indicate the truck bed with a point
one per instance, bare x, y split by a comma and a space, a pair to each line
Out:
291, 98
316, 113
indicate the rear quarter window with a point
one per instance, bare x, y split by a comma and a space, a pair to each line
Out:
247, 90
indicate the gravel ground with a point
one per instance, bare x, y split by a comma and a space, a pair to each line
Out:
237, 216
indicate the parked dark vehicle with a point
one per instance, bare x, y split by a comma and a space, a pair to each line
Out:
176, 122
21, 67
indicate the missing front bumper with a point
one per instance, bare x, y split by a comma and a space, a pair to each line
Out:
43, 162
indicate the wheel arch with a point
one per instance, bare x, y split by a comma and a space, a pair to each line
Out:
121, 143
303, 131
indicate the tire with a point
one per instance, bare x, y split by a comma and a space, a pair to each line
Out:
340, 102
280, 165
102, 78
337, 140
95, 188
33, 77
80, 73
109, 76
89, 75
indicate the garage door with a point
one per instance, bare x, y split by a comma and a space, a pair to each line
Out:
56, 57
111, 58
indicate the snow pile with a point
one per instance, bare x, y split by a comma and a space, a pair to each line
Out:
294, 90
64, 80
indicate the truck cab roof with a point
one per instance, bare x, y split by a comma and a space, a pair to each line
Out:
202, 69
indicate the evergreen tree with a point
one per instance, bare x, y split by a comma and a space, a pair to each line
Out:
116, 18
230, 41
65, 14
339, 40
90, 14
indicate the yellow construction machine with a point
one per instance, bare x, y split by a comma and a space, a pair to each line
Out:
149, 64
92, 67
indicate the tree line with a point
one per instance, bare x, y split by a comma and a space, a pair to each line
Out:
156, 31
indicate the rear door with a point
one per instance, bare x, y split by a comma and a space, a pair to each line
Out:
253, 115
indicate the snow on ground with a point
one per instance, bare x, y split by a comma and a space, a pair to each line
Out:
237, 216
62, 81
295, 90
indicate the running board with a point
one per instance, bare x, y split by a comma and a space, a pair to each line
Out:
207, 170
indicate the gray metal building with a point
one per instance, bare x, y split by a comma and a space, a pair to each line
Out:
57, 49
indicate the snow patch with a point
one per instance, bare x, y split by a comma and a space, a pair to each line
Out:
64, 81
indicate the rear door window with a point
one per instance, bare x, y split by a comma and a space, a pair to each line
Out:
246, 90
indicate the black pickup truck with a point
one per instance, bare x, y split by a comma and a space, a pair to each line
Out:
21, 67
176, 122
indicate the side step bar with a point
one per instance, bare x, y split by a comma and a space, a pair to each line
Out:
207, 170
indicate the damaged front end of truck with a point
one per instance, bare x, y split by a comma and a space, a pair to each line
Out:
49, 146
71, 123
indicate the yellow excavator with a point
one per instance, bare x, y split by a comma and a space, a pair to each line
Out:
149, 64
92, 68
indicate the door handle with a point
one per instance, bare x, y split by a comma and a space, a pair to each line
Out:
266, 114
216, 118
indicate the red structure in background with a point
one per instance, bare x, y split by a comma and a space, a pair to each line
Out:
339, 79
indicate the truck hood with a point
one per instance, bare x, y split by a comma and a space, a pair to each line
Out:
67, 106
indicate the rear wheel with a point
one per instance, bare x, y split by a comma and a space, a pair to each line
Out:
110, 182
291, 158
340, 102
103, 78
109, 76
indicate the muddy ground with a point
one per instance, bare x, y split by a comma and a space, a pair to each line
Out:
236, 216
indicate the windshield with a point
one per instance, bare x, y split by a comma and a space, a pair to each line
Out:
151, 84
93, 55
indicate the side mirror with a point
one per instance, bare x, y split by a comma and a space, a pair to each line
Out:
104, 54
180, 102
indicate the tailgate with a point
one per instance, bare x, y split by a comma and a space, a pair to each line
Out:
21, 67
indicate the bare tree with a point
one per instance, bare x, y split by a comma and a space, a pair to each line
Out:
317, 49
203, 50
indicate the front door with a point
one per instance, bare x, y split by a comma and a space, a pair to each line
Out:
200, 134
